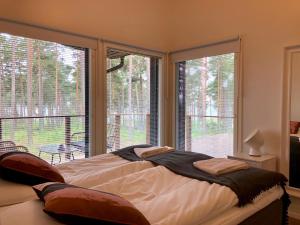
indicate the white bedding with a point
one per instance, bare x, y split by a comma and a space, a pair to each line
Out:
84, 172
236, 215
172, 200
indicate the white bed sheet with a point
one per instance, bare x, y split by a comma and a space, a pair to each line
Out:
174, 200
84, 172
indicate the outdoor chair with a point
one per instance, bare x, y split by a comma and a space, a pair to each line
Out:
78, 141
20, 148
4, 144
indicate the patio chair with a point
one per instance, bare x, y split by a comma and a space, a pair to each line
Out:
78, 141
20, 148
4, 144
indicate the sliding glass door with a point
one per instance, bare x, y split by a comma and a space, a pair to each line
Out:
206, 105
132, 99
44, 98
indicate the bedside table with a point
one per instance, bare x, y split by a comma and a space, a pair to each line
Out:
267, 162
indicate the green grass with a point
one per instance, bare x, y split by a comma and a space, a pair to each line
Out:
55, 134
49, 134
133, 136
212, 127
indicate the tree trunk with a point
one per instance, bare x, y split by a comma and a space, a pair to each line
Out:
130, 69
141, 101
109, 91
57, 88
203, 92
82, 81
13, 89
78, 103
220, 93
29, 88
147, 107
57, 107
137, 102
40, 88
122, 103
1, 84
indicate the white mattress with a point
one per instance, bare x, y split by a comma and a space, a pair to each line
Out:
172, 200
84, 172
236, 215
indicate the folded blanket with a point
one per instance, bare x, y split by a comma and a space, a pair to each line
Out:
152, 151
217, 166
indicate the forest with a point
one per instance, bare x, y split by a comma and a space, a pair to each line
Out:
40, 82
209, 98
210, 112
128, 95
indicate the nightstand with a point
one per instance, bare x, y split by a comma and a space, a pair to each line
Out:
267, 162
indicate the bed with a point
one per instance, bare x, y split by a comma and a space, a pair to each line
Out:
167, 198
162, 202
83, 172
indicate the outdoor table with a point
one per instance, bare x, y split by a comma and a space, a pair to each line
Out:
57, 149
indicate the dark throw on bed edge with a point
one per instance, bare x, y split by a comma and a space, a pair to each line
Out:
246, 184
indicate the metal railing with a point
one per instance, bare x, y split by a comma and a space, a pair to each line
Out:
117, 127
67, 120
188, 128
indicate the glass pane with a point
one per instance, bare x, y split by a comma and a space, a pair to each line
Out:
42, 98
128, 100
209, 108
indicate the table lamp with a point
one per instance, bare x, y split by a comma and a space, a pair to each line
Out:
255, 140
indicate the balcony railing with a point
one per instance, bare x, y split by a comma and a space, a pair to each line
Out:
118, 119
114, 131
54, 134
67, 120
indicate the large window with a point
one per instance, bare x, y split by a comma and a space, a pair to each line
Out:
206, 103
132, 99
44, 98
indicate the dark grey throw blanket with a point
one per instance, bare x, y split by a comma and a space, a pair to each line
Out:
247, 184
128, 152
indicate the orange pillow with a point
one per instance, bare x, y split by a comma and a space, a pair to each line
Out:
294, 127
23, 167
74, 205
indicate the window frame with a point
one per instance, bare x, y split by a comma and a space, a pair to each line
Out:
69, 39
213, 49
162, 98
97, 67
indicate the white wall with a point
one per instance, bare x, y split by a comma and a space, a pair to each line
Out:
138, 22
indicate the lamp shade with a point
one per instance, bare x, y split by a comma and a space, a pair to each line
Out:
255, 140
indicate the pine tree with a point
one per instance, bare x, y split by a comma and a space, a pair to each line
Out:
29, 88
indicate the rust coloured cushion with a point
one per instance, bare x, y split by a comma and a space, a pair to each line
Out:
74, 205
23, 167
294, 127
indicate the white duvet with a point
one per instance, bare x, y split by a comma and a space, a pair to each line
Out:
166, 198
163, 197
84, 172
